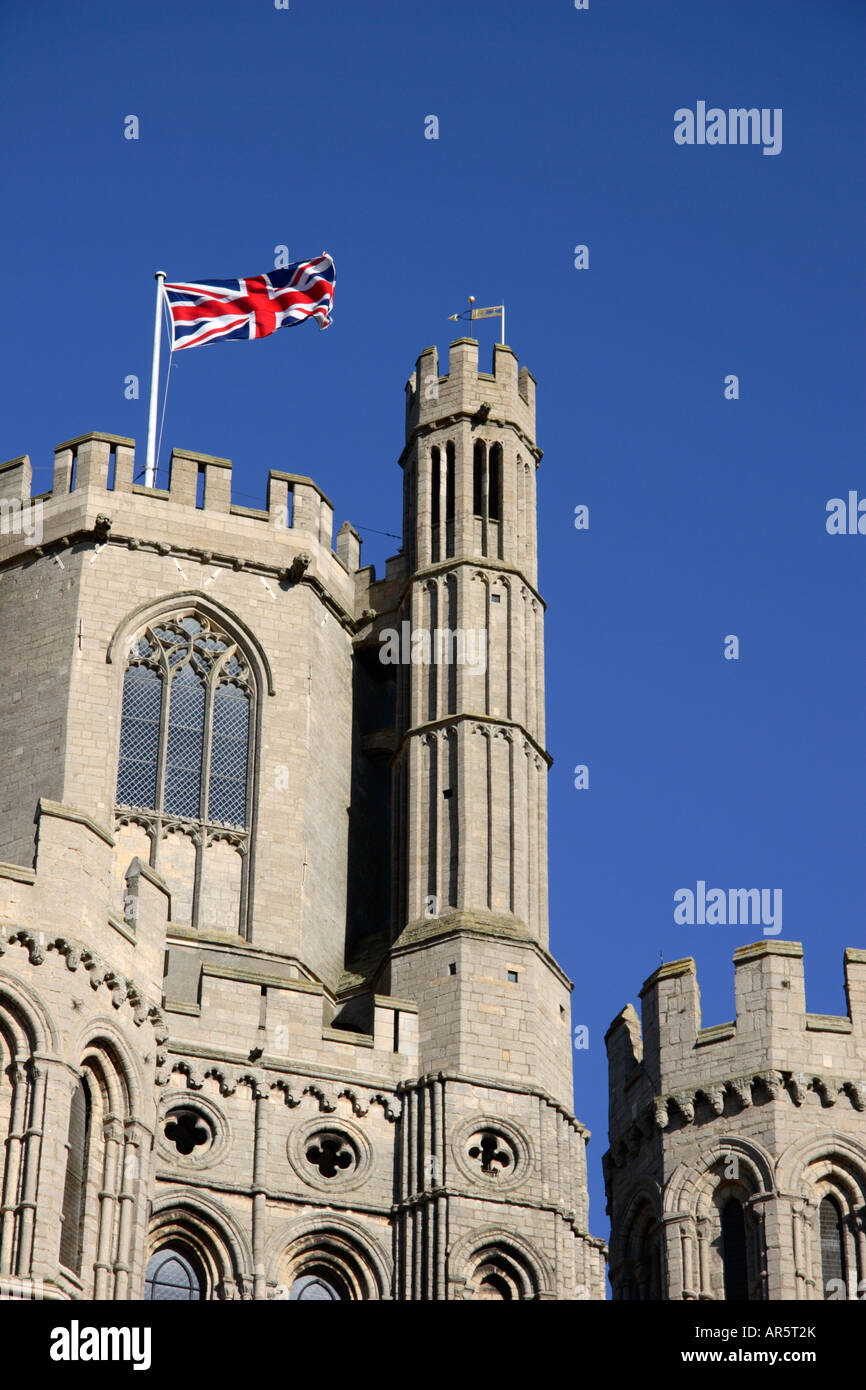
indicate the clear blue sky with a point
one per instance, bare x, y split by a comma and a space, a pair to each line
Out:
305, 127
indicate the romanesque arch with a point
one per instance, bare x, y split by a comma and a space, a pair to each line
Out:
339, 1252
204, 1234
107, 1150
497, 1265
716, 1246
827, 1174
26, 1031
637, 1252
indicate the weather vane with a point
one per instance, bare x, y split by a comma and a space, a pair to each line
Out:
493, 311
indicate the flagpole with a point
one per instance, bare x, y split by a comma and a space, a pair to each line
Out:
503, 325
149, 466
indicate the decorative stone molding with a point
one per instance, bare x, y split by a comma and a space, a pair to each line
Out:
294, 1089
772, 1081
742, 1089
856, 1091
715, 1096
777, 1084
34, 944
123, 990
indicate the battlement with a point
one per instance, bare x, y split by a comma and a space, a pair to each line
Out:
94, 488
772, 1040
501, 395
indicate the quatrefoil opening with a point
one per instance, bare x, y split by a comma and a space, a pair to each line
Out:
188, 1132
331, 1154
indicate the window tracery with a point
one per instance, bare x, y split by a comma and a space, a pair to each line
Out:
185, 762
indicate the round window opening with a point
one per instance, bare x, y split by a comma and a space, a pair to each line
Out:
188, 1132
331, 1154
491, 1154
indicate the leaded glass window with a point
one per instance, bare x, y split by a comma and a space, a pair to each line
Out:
313, 1286
185, 744
171, 1277
832, 1232
229, 744
184, 680
139, 745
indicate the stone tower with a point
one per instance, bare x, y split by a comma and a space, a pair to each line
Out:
252, 1046
737, 1161
469, 892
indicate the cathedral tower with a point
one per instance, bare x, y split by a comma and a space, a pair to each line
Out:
469, 796
252, 1046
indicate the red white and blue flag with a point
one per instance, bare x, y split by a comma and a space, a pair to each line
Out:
230, 310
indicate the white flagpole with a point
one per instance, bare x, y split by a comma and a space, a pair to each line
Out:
150, 464
503, 326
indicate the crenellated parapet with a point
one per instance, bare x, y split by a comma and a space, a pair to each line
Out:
745, 1136
95, 500
773, 1042
505, 395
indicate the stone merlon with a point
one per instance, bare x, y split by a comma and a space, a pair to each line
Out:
504, 394
673, 1052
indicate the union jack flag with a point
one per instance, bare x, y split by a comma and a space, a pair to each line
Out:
251, 308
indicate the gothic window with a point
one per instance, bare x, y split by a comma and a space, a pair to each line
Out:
478, 463
833, 1259
734, 1250
227, 794
142, 701
172, 1276
313, 1286
490, 1154
435, 473
450, 469
638, 1275
185, 724
185, 765
75, 1179
494, 484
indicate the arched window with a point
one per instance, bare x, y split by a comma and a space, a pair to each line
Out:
184, 737
185, 766
834, 1264
332, 1265
76, 1178
494, 484
173, 1276
450, 471
638, 1274
734, 1251
479, 461
500, 1275
435, 484
314, 1286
